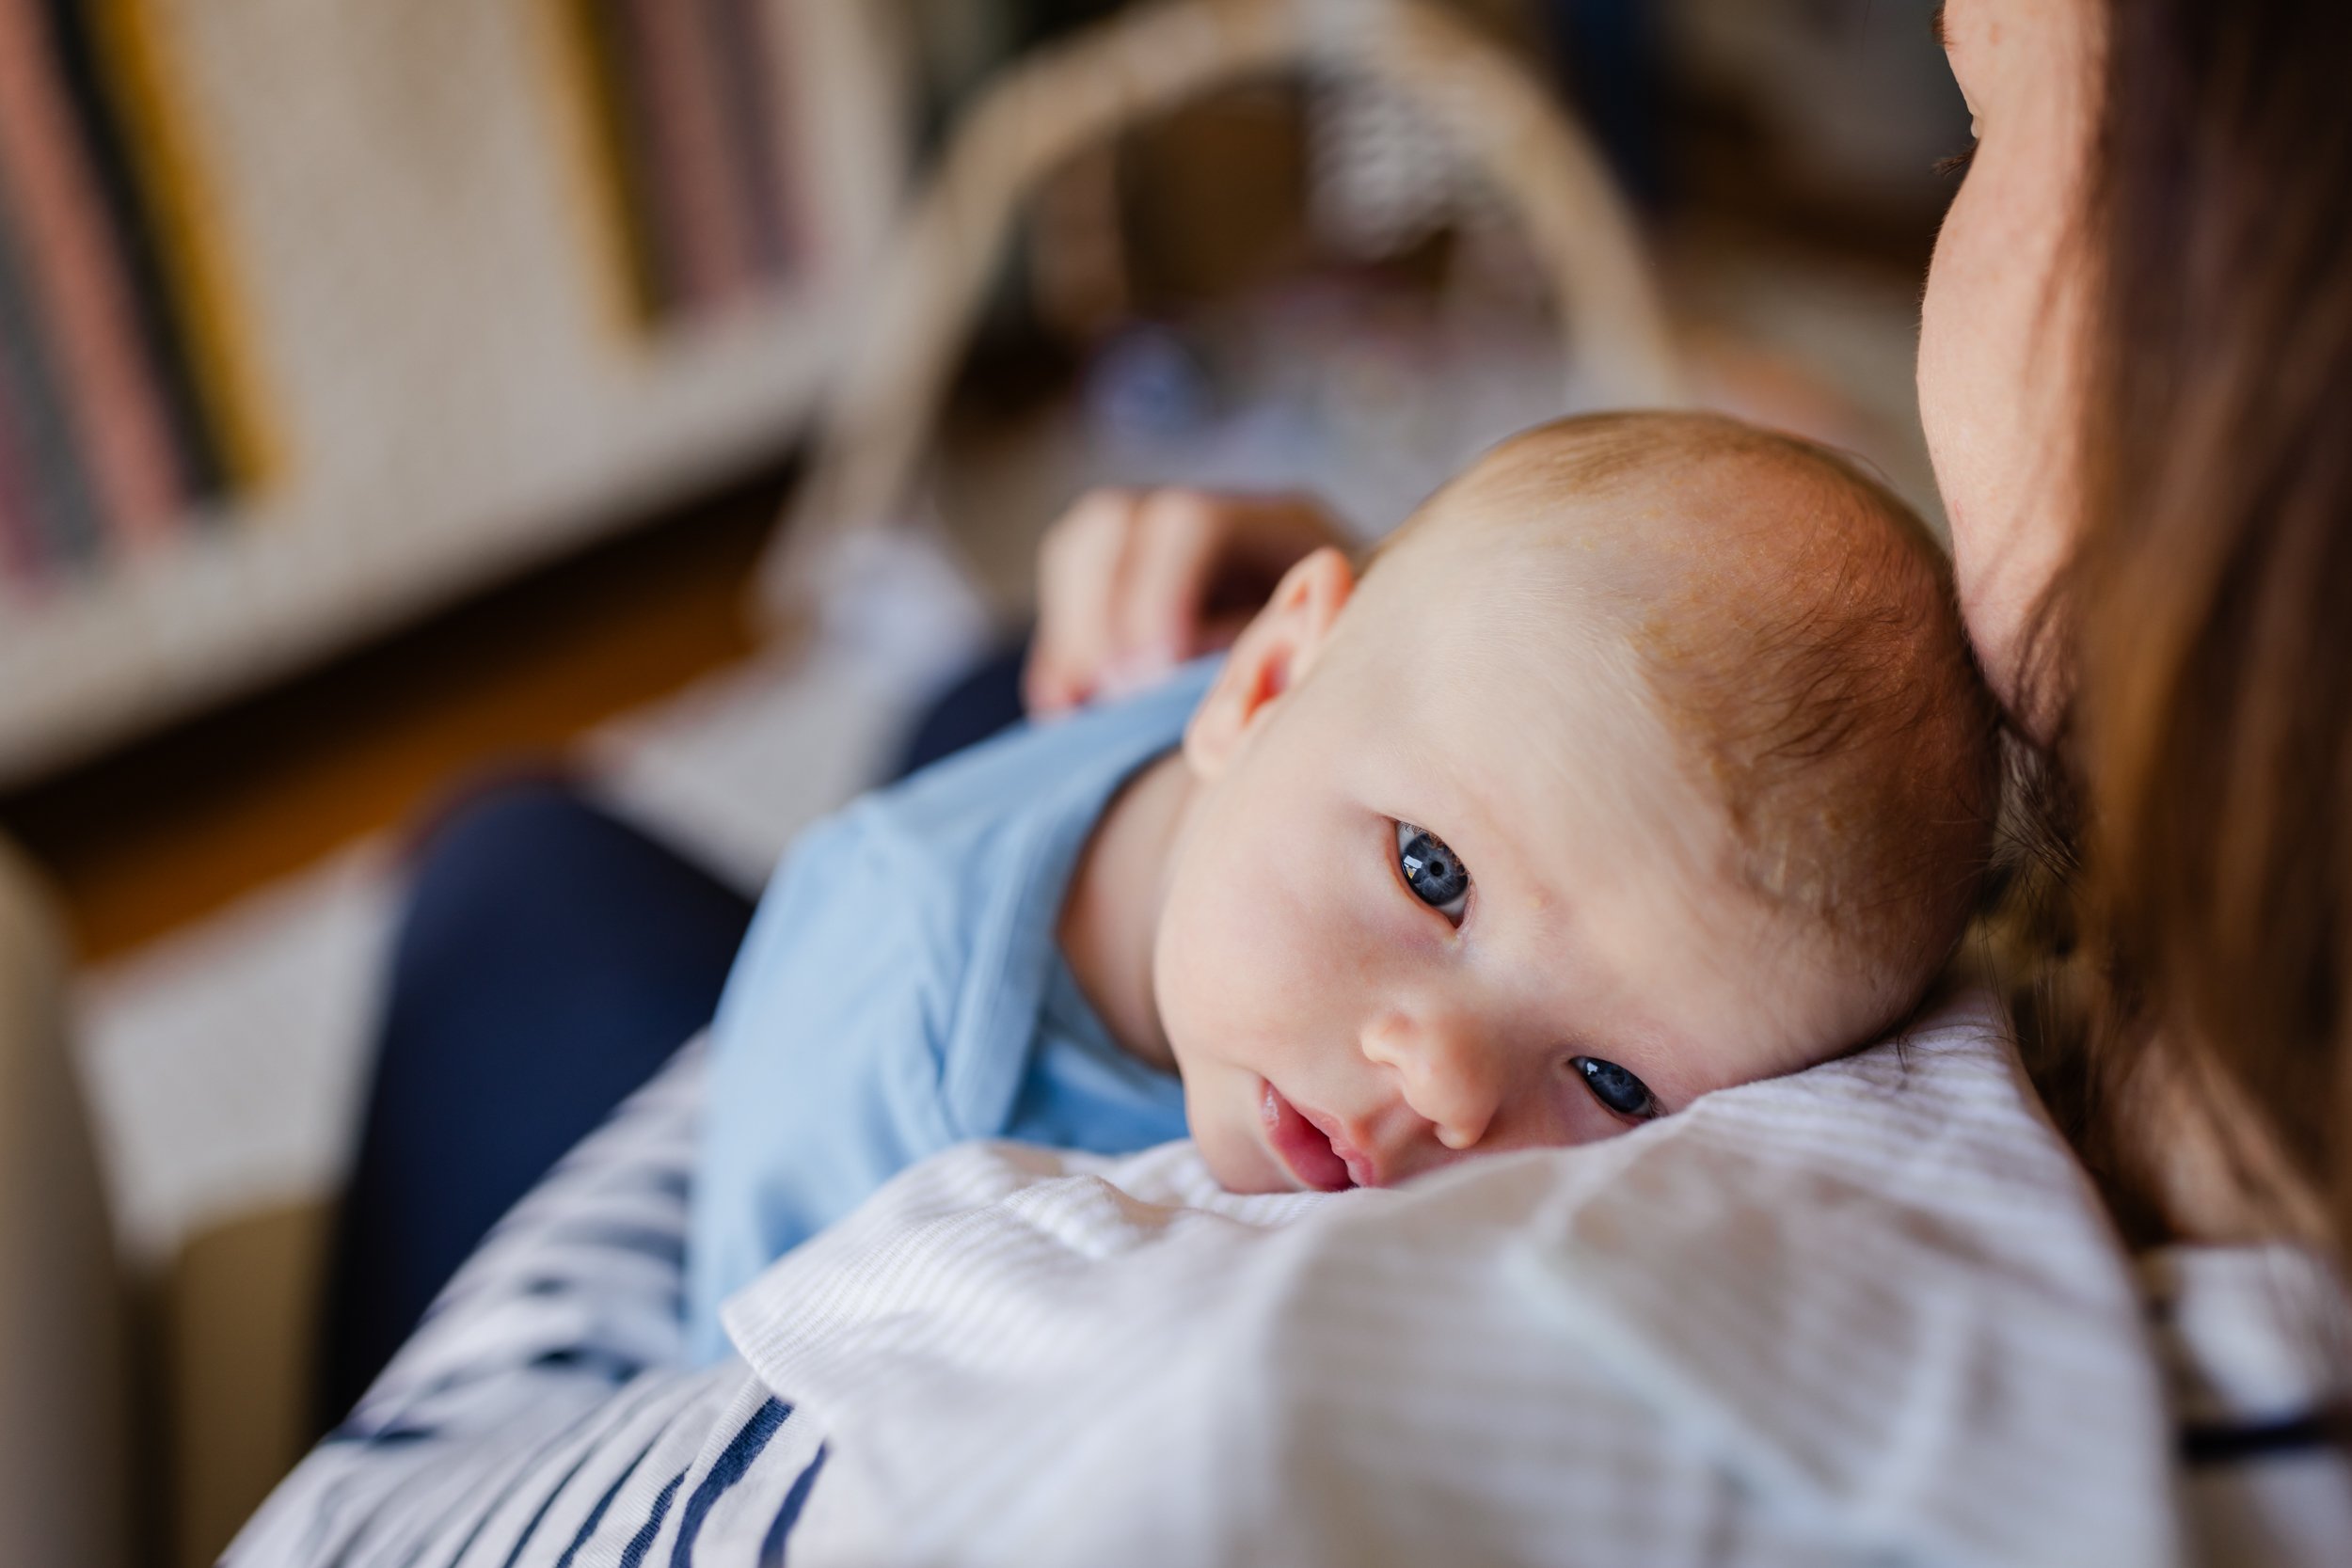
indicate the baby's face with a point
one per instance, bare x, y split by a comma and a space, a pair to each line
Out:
1445, 890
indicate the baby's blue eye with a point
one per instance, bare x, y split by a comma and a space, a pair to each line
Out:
1615, 1089
1435, 873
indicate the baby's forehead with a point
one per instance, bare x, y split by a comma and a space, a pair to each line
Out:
1700, 495
1531, 564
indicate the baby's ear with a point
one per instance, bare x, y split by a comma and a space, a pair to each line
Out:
1273, 654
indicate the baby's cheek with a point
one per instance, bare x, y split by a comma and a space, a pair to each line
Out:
1223, 1122
1241, 944
1229, 951
1186, 980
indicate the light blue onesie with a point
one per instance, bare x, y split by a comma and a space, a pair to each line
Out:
901, 989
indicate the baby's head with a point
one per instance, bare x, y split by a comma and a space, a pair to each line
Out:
1647, 759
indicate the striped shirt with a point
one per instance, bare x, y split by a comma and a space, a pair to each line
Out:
1869, 1312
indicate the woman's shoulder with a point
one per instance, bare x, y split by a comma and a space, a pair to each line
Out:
1866, 1298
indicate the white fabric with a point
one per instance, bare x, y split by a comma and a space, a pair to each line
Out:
1868, 1312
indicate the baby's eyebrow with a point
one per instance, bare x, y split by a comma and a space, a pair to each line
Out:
1935, 26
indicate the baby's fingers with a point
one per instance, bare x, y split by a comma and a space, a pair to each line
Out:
1080, 567
1181, 539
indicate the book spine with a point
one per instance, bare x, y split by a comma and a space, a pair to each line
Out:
200, 465
78, 279
57, 492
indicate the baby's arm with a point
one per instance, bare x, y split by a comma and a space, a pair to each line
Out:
819, 1056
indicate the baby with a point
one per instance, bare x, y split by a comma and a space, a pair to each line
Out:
1646, 759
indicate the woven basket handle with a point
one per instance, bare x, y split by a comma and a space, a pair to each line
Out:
878, 420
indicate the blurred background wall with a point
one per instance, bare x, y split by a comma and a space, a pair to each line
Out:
390, 393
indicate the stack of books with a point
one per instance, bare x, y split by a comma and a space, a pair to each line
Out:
688, 142
123, 404
130, 390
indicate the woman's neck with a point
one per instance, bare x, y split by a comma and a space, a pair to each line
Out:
1110, 919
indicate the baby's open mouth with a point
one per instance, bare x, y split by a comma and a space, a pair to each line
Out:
1302, 1146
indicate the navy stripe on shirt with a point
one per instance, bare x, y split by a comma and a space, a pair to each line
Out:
747, 1445
2205, 1443
771, 1548
551, 1369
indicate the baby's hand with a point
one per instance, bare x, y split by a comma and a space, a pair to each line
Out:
1131, 583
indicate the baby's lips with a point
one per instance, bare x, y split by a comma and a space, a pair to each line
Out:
1364, 1167
1302, 1146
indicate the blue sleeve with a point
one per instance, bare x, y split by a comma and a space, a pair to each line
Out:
826, 1051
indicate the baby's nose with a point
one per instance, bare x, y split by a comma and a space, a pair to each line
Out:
1444, 1064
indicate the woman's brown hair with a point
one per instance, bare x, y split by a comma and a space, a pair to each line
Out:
2208, 616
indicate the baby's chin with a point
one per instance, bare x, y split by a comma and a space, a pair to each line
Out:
1248, 1178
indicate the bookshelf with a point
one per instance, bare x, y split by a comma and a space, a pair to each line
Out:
460, 309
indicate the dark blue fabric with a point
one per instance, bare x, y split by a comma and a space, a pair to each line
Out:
539, 1515
780, 1529
747, 1445
595, 1515
506, 1494
2209, 1442
984, 699
549, 959
634, 1555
